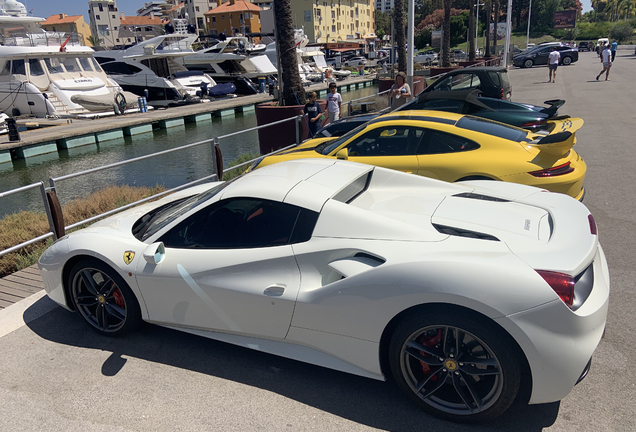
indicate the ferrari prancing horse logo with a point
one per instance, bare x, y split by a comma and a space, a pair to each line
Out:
128, 256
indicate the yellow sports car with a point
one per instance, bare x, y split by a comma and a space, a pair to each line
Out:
456, 147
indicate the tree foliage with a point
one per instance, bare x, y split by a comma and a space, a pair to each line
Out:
622, 31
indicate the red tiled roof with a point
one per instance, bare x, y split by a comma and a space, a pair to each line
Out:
55, 19
238, 6
140, 20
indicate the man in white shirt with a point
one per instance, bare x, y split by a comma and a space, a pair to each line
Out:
334, 102
553, 63
606, 55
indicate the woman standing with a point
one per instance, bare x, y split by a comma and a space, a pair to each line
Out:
400, 92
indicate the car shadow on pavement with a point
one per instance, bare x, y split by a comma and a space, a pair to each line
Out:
365, 401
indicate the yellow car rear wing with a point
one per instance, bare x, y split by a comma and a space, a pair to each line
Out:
561, 138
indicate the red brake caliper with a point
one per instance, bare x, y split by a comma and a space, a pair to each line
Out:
430, 341
119, 299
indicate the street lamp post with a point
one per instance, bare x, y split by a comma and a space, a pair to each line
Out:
477, 24
529, 15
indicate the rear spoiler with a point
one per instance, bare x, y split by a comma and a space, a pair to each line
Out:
554, 105
559, 143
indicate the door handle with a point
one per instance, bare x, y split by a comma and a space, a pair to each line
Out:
275, 290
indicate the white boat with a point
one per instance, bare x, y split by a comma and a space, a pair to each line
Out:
39, 75
3, 123
231, 60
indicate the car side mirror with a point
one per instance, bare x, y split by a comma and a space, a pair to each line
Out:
155, 253
343, 154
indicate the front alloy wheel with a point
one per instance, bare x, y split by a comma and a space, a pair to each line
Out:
103, 299
528, 63
454, 367
567, 61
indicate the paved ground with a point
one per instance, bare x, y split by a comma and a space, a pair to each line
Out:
57, 375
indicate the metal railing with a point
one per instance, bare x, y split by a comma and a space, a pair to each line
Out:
54, 181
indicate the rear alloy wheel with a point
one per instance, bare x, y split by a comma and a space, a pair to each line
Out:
567, 61
528, 63
103, 299
455, 367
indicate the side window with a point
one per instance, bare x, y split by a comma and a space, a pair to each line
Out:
35, 68
441, 142
86, 64
462, 81
239, 223
17, 67
119, 68
53, 65
387, 141
71, 65
6, 70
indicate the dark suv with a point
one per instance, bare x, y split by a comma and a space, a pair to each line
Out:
539, 56
584, 46
492, 81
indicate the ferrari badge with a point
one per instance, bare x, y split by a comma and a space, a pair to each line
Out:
128, 256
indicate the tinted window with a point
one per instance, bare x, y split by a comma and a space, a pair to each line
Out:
17, 67
338, 129
387, 141
118, 68
462, 81
492, 128
6, 70
494, 77
241, 223
35, 68
440, 142
96, 65
86, 64
334, 144
71, 65
449, 105
53, 65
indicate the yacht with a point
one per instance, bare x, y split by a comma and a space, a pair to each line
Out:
40, 76
233, 60
149, 69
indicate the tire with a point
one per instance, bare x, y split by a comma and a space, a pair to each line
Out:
425, 358
528, 63
103, 299
567, 61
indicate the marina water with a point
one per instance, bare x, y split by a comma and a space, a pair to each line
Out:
166, 170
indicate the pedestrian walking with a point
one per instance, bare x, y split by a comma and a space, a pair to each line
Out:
614, 48
313, 111
400, 92
334, 103
553, 62
607, 63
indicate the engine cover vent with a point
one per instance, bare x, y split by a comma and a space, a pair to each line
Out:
480, 197
464, 233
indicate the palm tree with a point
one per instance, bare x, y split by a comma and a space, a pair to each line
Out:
93, 40
293, 91
399, 34
446, 34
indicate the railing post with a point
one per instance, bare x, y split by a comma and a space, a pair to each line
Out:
215, 166
349, 109
47, 209
298, 119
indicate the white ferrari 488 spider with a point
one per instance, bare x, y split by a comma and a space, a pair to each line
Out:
464, 293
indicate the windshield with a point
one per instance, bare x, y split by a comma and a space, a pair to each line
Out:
332, 145
154, 221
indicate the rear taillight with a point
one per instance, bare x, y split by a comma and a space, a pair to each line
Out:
501, 94
592, 222
535, 123
554, 171
562, 284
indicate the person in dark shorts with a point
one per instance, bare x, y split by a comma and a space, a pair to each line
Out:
553, 63
314, 113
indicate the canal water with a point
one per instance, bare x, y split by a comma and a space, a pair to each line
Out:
167, 170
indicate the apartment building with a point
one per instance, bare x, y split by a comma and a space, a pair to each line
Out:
112, 27
195, 10
384, 5
235, 16
73, 25
331, 21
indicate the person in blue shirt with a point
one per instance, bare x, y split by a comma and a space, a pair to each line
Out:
614, 47
314, 113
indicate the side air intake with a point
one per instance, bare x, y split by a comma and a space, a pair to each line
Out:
464, 233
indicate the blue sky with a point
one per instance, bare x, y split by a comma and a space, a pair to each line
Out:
46, 8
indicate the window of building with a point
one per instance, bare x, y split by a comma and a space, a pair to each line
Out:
114, 16
196, 8
101, 8
222, 17
307, 16
114, 28
214, 20
97, 17
103, 30
241, 18
333, 28
318, 13
333, 14
117, 40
